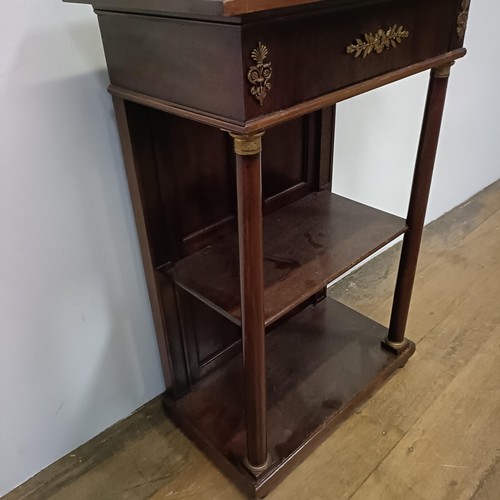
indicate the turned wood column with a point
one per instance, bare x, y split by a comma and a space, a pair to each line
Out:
249, 192
419, 197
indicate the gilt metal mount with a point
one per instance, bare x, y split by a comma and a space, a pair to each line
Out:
379, 41
260, 74
462, 19
247, 144
443, 71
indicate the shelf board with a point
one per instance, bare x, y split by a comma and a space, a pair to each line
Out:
321, 364
306, 245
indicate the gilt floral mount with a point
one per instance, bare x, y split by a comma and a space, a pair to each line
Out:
260, 74
379, 41
462, 19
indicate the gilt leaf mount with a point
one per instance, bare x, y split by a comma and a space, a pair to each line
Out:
379, 41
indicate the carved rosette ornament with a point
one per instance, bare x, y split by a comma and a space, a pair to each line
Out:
462, 19
260, 74
379, 41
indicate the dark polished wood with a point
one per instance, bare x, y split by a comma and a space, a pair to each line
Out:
419, 197
215, 82
298, 110
327, 128
249, 194
238, 250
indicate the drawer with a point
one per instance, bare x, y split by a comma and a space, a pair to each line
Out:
259, 64
191, 64
323, 52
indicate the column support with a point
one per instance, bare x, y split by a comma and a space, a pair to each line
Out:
249, 191
419, 197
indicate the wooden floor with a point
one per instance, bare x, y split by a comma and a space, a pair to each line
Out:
432, 432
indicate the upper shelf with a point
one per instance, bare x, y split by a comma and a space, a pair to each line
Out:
306, 245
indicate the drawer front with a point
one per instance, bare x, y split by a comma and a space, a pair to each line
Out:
239, 72
312, 56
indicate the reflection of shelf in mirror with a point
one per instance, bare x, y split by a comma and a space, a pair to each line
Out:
306, 245
320, 364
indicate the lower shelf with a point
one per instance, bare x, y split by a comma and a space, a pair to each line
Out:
320, 365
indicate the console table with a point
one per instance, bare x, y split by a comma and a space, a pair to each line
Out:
226, 111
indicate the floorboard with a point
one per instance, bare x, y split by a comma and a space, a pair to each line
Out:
431, 432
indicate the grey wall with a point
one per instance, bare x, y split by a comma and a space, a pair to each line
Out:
77, 348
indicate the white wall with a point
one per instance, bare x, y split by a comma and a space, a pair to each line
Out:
77, 347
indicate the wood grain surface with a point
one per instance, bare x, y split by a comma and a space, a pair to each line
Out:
306, 245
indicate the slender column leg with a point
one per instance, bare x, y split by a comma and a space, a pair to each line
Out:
419, 197
249, 191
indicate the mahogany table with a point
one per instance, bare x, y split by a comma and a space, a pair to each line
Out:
226, 110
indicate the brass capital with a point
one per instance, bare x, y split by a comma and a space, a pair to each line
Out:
444, 70
247, 144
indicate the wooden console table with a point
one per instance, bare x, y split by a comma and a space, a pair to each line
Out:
239, 231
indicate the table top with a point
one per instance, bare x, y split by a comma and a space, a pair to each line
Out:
214, 7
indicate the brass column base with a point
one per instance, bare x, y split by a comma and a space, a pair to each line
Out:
257, 470
395, 347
